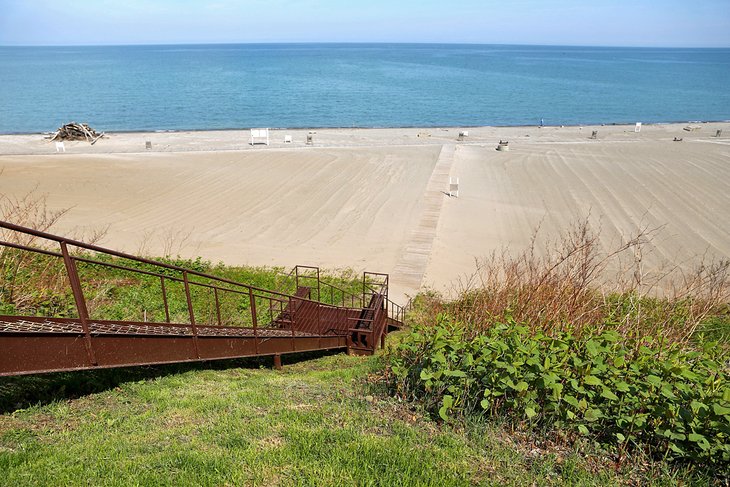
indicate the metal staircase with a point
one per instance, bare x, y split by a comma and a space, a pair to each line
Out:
220, 318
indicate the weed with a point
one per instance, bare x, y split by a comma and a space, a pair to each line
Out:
570, 285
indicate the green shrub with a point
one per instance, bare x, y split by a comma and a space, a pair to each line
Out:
620, 393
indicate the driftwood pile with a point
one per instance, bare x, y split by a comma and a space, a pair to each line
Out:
77, 131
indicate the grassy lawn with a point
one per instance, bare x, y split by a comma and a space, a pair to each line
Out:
317, 422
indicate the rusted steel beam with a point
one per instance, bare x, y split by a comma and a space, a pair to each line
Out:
78, 294
164, 299
254, 319
191, 313
217, 306
3, 243
41, 353
319, 286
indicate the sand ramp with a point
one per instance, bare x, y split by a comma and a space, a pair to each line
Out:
412, 263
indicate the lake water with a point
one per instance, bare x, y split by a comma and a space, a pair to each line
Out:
356, 85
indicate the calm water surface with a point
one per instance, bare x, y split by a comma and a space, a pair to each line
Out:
362, 85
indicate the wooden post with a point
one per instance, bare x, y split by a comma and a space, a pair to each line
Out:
277, 361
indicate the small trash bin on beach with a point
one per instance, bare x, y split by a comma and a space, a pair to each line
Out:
503, 146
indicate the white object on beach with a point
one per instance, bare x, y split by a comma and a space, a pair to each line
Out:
454, 186
261, 135
60, 147
287, 139
638, 127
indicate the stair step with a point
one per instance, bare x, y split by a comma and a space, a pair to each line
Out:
359, 330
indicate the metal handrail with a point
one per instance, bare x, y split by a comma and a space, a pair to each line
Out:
278, 301
102, 250
309, 324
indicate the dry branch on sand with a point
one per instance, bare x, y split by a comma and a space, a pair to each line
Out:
77, 131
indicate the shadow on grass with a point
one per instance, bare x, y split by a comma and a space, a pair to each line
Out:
37, 390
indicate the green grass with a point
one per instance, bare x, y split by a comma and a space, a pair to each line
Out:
715, 328
327, 421
319, 422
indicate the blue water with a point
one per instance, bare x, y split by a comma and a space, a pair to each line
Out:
362, 85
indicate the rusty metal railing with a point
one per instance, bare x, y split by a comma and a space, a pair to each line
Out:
372, 282
232, 309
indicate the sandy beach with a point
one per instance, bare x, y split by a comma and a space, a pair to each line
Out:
374, 199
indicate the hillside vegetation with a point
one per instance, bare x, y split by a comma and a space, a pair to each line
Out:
536, 342
536, 373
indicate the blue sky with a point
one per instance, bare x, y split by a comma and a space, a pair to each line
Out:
678, 23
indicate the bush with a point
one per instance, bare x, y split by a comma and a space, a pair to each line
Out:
575, 279
621, 393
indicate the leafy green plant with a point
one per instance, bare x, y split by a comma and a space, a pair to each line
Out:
620, 393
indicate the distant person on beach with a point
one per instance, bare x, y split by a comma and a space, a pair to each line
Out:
542, 122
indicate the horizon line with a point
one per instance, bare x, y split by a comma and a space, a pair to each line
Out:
606, 46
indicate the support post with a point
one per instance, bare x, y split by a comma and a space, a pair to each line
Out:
217, 306
164, 299
78, 293
319, 287
254, 320
191, 313
277, 361
320, 331
291, 310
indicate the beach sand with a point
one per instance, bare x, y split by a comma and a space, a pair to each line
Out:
374, 199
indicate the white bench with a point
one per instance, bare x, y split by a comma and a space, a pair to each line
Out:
260, 136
